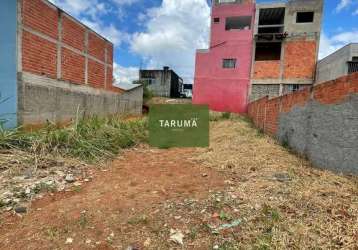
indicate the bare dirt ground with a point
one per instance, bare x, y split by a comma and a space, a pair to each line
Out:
244, 192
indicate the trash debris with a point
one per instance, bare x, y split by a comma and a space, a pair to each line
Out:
69, 241
176, 236
70, 178
216, 230
20, 210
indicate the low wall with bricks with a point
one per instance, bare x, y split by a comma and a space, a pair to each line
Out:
320, 122
64, 69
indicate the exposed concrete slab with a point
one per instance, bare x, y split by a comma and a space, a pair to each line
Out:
327, 134
42, 99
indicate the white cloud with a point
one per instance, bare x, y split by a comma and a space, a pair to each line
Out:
330, 44
343, 4
108, 31
125, 74
355, 12
90, 12
173, 33
78, 8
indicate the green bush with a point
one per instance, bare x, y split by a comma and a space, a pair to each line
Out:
226, 115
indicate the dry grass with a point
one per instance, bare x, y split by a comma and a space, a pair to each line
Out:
312, 209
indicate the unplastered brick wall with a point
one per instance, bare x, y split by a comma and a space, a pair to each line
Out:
300, 59
57, 46
267, 69
320, 122
327, 93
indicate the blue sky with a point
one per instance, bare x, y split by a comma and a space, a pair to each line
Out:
153, 33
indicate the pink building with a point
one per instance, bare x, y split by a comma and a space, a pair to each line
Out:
257, 50
222, 73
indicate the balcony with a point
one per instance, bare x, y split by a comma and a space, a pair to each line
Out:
352, 67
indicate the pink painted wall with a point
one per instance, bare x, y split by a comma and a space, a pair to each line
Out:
222, 89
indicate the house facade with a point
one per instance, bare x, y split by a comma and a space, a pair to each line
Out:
257, 50
162, 82
340, 63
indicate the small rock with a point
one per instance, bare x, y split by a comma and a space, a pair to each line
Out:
27, 191
6, 201
20, 210
204, 175
69, 241
50, 182
147, 242
86, 180
77, 184
88, 241
216, 247
176, 236
282, 177
70, 178
177, 217
8, 194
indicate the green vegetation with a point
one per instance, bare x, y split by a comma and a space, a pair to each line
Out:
226, 115
91, 139
2, 119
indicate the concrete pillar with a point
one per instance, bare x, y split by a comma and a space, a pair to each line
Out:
86, 56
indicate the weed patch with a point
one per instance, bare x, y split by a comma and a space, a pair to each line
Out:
90, 140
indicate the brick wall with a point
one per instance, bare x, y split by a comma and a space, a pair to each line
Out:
265, 113
73, 34
73, 66
96, 46
300, 59
55, 45
96, 74
266, 70
39, 55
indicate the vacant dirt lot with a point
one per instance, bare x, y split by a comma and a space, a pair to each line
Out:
244, 192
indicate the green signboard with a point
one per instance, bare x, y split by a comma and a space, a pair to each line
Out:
181, 125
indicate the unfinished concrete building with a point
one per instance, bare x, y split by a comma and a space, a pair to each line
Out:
286, 44
162, 82
257, 50
340, 63
53, 68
